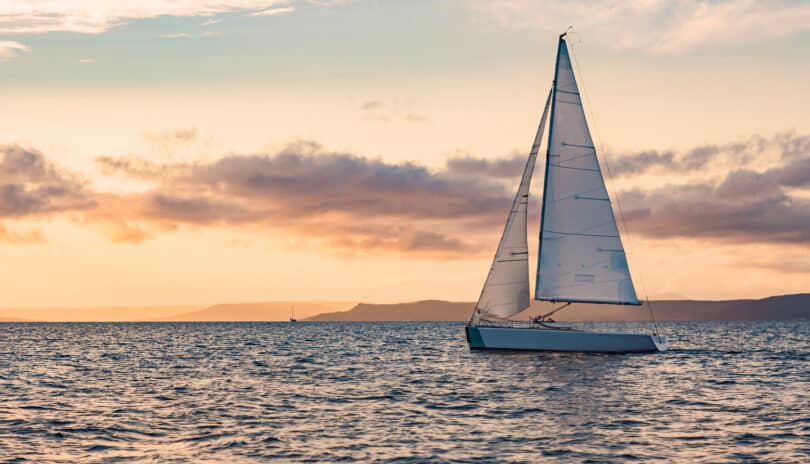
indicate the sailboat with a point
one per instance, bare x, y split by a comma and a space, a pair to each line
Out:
580, 256
292, 314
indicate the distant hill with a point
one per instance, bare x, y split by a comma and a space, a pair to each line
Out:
786, 307
261, 311
427, 310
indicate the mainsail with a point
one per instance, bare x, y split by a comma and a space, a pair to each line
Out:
506, 290
581, 257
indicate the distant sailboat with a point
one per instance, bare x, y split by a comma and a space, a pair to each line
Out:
292, 314
581, 257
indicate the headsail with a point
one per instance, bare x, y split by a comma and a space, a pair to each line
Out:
581, 254
506, 290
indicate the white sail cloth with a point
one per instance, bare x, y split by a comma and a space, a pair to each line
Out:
506, 290
581, 254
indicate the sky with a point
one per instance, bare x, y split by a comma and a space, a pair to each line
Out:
197, 152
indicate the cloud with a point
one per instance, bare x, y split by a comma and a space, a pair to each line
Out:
337, 199
349, 202
10, 49
746, 206
30, 185
195, 209
421, 240
176, 35
274, 11
787, 145
466, 165
384, 238
87, 60
377, 110
123, 232
754, 191
168, 142
415, 117
737, 21
97, 16
179, 136
660, 26
791, 145
340, 201
20, 237
640, 162
211, 22
136, 168
306, 185
372, 105
301, 183
775, 261
185, 35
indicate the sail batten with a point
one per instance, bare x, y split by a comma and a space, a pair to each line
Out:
506, 289
581, 256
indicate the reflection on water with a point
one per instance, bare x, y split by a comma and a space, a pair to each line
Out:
408, 392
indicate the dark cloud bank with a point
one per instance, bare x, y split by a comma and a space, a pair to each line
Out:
744, 206
361, 204
30, 185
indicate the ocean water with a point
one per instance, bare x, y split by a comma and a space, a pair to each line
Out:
396, 392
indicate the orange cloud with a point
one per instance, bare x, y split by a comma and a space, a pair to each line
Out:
349, 203
20, 237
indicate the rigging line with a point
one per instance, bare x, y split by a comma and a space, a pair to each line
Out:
550, 313
610, 176
491, 317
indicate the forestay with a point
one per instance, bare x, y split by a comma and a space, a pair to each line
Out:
581, 254
506, 290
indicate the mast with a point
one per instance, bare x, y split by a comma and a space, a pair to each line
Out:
553, 96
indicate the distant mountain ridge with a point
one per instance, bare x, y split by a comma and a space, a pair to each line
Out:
784, 307
234, 312
425, 310
261, 311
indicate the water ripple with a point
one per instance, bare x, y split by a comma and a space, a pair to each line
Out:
396, 392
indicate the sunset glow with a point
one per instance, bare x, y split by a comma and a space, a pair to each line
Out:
192, 153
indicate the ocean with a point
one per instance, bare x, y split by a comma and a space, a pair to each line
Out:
397, 392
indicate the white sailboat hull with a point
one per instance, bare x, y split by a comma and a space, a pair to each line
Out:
538, 339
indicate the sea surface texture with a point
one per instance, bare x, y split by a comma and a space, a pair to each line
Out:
396, 392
